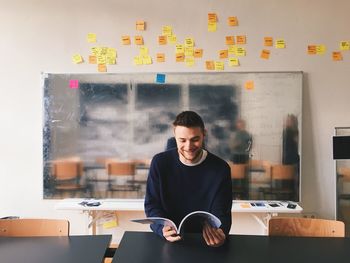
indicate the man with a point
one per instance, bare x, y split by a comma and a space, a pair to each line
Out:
189, 178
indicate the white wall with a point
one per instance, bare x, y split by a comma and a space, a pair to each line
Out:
41, 36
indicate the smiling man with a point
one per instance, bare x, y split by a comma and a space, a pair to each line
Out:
189, 178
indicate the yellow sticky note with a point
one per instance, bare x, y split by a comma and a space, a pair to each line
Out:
172, 39
91, 37
92, 59
320, 49
337, 56
233, 62
138, 40
126, 40
249, 85
143, 51
219, 65
265, 54
102, 68
198, 53
110, 224
180, 57
240, 51
111, 52
189, 61
179, 49
138, 60
111, 60
101, 59
223, 53
311, 49
94, 50
232, 21
140, 25
245, 205
211, 26
147, 60
241, 40
212, 17
189, 51
209, 65
344, 45
232, 49
162, 40
268, 41
230, 40
77, 59
160, 57
280, 43
189, 42
102, 50
167, 31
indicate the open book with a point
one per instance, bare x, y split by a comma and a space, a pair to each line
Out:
208, 217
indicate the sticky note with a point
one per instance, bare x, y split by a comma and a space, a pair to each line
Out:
143, 50
337, 56
198, 53
160, 78
92, 59
249, 85
126, 40
344, 45
212, 17
240, 51
179, 49
180, 57
268, 41
110, 224
219, 65
138, 40
241, 40
138, 60
232, 21
223, 53
230, 40
102, 68
140, 25
189, 42
91, 37
311, 49
111, 60
189, 61
320, 49
162, 40
209, 65
74, 83
147, 60
111, 52
211, 26
160, 57
280, 43
232, 49
172, 39
233, 62
101, 59
245, 205
265, 54
77, 59
189, 51
167, 31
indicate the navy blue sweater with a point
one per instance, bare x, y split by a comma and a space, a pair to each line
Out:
175, 189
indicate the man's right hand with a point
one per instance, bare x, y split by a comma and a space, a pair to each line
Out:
170, 234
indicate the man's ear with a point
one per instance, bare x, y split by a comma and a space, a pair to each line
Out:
205, 132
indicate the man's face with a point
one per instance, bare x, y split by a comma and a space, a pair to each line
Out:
189, 143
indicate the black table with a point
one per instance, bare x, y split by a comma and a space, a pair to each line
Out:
73, 249
147, 247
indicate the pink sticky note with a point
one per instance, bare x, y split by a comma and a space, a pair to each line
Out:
74, 83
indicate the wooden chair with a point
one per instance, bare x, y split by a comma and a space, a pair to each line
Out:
33, 227
240, 182
305, 227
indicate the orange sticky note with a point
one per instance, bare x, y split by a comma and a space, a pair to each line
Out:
198, 53
102, 68
245, 205
249, 85
232, 21
92, 59
180, 57
138, 40
265, 54
311, 49
241, 40
337, 56
140, 25
209, 65
223, 53
230, 40
126, 40
162, 40
160, 57
268, 41
212, 17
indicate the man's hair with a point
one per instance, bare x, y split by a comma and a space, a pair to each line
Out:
189, 119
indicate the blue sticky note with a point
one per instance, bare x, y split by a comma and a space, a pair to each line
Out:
160, 78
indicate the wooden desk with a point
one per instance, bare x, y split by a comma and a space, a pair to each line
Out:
147, 247
72, 249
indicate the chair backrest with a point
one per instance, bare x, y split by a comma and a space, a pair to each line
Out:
238, 171
121, 168
65, 170
283, 172
296, 226
33, 227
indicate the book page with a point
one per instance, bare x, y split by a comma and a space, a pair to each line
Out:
210, 218
155, 220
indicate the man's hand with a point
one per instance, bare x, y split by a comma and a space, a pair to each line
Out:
170, 234
214, 237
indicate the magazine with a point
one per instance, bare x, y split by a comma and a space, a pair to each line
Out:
210, 218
